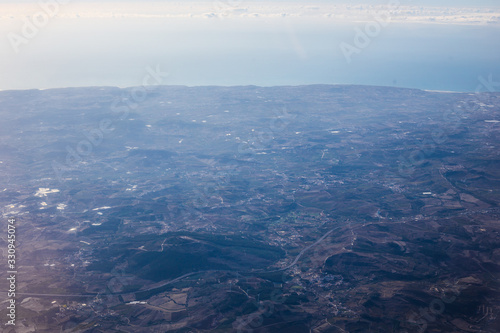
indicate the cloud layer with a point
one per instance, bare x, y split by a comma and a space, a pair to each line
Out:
243, 9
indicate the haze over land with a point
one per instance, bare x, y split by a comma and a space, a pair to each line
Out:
248, 208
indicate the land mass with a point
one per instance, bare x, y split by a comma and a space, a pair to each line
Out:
322, 208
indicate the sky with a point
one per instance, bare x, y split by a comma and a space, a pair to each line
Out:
456, 3
435, 45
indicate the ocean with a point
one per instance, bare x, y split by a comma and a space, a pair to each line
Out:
250, 51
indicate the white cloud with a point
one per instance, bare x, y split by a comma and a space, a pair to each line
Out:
247, 9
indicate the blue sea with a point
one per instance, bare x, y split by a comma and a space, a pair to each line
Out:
98, 52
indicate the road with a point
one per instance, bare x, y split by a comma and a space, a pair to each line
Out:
294, 262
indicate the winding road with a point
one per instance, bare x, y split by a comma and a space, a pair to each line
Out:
294, 262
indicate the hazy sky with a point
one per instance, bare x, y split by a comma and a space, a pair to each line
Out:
446, 46
460, 3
